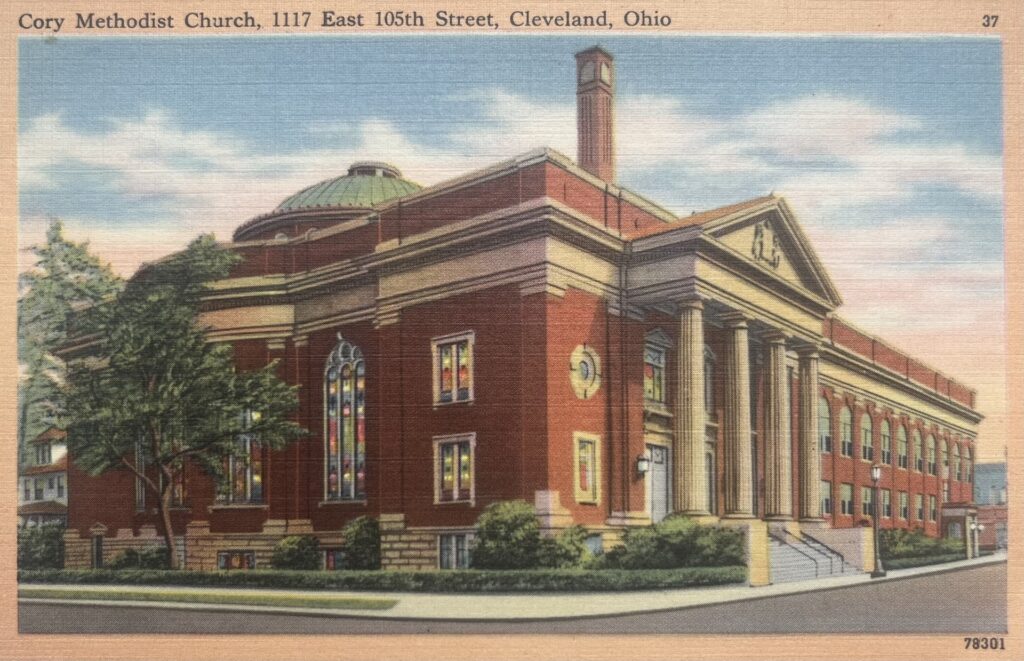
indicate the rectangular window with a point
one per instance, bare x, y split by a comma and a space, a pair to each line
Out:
866, 501
227, 560
587, 469
654, 374
825, 441
867, 449
38, 487
49, 483
453, 551
28, 489
60, 486
933, 510
846, 499
826, 497
887, 503
904, 505
903, 452
454, 473
846, 437
334, 559
453, 368
886, 449
919, 506
243, 471
43, 455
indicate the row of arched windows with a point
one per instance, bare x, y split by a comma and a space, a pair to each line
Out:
926, 460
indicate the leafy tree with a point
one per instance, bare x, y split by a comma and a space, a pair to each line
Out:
41, 547
65, 276
154, 385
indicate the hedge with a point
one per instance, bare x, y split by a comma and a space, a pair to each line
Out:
920, 561
470, 580
41, 547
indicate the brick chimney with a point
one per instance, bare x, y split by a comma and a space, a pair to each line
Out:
595, 91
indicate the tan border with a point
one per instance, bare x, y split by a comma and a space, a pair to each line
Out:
747, 16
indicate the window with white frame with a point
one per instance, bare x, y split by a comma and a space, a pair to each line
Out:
867, 442
957, 464
904, 505
904, 461
932, 464
60, 486
43, 454
826, 497
824, 425
919, 506
887, 443
887, 503
243, 471
945, 458
453, 551
867, 501
37, 485
846, 431
453, 475
933, 509
588, 470
345, 423
918, 452
846, 499
453, 367
654, 374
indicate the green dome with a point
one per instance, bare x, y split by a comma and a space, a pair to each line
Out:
366, 185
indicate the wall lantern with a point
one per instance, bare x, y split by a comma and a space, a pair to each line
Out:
643, 464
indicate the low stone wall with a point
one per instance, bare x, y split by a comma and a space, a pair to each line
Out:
78, 549
856, 544
407, 549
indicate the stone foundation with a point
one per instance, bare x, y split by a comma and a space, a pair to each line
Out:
409, 549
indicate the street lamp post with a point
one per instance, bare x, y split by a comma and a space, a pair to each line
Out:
876, 475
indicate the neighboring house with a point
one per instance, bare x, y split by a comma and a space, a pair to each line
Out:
990, 495
43, 483
534, 331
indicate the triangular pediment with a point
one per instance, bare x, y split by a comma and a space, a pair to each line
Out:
769, 237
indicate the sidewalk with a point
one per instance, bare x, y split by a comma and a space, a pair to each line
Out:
432, 606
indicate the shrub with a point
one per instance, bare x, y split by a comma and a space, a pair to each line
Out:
361, 547
551, 580
151, 557
567, 550
903, 563
900, 543
296, 552
507, 537
41, 547
676, 541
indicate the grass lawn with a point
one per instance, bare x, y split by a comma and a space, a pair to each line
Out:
211, 597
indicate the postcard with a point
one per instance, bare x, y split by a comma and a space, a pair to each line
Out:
507, 330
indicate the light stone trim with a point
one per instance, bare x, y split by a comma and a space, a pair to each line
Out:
778, 454
737, 431
689, 478
810, 455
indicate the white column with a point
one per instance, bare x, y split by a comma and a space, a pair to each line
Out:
690, 480
778, 447
738, 446
810, 457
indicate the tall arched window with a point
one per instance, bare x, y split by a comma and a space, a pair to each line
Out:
918, 452
887, 441
932, 467
901, 439
957, 466
867, 443
345, 423
968, 460
945, 459
846, 431
824, 425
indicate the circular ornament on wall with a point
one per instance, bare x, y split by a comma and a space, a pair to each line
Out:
585, 371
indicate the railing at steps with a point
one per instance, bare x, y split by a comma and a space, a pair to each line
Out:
842, 558
802, 541
782, 540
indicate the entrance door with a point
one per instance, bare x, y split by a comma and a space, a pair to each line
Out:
658, 495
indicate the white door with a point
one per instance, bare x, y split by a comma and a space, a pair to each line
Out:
657, 483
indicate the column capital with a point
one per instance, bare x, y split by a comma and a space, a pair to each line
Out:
735, 319
809, 350
775, 336
695, 302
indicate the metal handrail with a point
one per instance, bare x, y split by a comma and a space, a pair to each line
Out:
782, 540
816, 550
842, 558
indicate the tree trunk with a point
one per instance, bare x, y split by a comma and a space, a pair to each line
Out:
165, 515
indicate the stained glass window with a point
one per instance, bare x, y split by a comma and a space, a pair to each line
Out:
345, 423
455, 470
586, 470
453, 551
243, 471
453, 369
654, 374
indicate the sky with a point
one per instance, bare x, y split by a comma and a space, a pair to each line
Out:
889, 150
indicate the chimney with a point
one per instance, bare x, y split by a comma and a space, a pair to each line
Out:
595, 90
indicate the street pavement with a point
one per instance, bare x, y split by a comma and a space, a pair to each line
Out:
969, 600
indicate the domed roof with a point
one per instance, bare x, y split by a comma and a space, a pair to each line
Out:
367, 184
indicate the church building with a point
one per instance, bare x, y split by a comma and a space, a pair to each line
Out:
533, 330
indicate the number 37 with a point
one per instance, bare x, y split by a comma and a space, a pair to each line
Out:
989, 20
